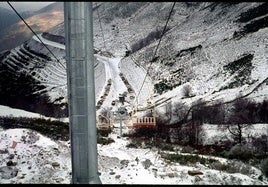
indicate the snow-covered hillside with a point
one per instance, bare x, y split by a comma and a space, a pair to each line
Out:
34, 158
199, 48
219, 50
26, 156
202, 44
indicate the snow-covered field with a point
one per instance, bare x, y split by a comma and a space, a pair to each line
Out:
38, 159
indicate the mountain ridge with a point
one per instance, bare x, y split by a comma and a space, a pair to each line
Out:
40, 21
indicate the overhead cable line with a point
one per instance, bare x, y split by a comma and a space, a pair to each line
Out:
162, 34
34, 33
101, 28
104, 44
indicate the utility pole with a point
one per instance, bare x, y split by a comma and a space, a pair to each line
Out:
122, 112
120, 125
78, 20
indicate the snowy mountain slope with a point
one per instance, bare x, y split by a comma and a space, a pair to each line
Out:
33, 158
34, 61
209, 46
200, 48
30, 79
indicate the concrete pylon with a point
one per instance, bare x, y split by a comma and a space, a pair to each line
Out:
78, 20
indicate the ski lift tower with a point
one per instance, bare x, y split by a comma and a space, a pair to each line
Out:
81, 91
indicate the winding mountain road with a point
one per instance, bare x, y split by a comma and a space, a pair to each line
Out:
112, 72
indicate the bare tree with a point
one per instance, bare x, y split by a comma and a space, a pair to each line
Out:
162, 126
217, 113
240, 118
168, 111
190, 131
263, 112
198, 113
180, 110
